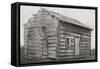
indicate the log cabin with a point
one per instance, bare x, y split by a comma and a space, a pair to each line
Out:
49, 34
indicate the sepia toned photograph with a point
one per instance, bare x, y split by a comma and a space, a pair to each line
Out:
52, 34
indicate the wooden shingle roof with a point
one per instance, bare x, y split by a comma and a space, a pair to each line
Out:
66, 19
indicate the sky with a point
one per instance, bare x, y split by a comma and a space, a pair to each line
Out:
85, 16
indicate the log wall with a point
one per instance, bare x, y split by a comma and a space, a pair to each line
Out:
38, 43
69, 30
52, 44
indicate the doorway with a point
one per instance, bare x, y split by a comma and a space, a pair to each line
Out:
77, 41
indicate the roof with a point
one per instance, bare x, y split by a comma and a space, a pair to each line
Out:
66, 19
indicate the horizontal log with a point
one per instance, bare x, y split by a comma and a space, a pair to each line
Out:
88, 45
62, 47
65, 54
84, 48
85, 51
61, 35
84, 42
44, 53
85, 38
69, 51
52, 48
51, 36
62, 40
62, 55
49, 41
52, 44
33, 41
52, 56
62, 51
51, 53
51, 29
85, 45
61, 44
33, 48
88, 37
68, 54
70, 32
51, 33
34, 45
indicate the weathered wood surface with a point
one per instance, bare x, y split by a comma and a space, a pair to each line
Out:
36, 39
53, 42
68, 30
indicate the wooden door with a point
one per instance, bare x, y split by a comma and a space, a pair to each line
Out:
77, 40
